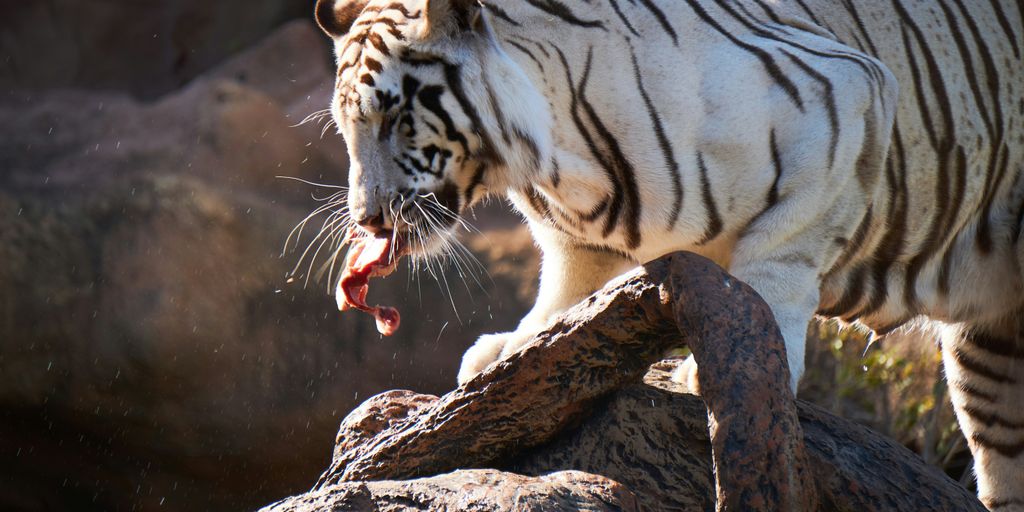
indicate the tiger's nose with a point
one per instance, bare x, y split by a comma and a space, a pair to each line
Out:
373, 224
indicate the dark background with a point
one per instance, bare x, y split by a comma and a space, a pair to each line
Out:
153, 353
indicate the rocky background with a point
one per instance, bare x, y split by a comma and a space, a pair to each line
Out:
154, 352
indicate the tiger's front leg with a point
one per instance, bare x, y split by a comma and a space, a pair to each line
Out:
569, 273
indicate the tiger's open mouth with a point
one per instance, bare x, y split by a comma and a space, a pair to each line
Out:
370, 256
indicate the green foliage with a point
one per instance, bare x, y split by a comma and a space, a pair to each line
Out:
893, 385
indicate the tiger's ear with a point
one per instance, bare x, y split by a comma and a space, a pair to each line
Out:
335, 17
445, 16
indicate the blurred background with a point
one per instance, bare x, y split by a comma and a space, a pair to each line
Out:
155, 353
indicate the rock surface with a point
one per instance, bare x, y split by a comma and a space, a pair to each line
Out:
143, 47
479, 490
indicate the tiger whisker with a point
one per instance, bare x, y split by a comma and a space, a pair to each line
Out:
315, 116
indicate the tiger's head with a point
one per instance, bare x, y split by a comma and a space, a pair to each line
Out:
434, 114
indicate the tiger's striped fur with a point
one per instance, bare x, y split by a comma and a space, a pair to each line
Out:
854, 159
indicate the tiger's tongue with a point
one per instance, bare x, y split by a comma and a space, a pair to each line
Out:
375, 251
368, 257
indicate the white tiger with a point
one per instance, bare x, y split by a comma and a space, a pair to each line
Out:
861, 161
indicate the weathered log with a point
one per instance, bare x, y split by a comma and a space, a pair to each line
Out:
606, 341
754, 442
476, 490
653, 439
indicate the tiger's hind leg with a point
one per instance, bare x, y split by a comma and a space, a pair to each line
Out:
985, 371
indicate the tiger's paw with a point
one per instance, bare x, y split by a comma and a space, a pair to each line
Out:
488, 349
485, 351
686, 374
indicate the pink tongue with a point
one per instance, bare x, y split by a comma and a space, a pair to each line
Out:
375, 251
372, 258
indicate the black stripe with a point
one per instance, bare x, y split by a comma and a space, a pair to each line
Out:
394, 6
768, 10
377, 42
977, 367
625, 21
773, 192
559, 10
1020, 12
1019, 223
372, 64
984, 222
1004, 23
943, 146
774, 25
421, 59
772, 197
852, 294
1003, 347
919, 95
475, 181
995, 128
974, 392
662, 20
430, 98
967, 60
499, 116
530, 145
766, 59
952, 212
453, 77
663, 142
405, 169
526, 51
892, 242
850, 8
539, 204
1010, 450
624, 169
538, 44
572, 222
614, 203
991, 419
869, 67
829, 100
502, 15
420, 167
714, 220
392, 25
596, 212
810, 14
860, 235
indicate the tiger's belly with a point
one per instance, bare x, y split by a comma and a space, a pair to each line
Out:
959, 285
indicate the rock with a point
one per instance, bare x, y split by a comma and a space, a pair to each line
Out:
479, 490
144, 48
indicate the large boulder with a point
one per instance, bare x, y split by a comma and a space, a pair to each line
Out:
144, 47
